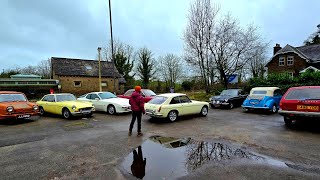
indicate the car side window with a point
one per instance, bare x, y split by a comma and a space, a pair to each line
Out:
45, 98
175, 100
128, 93
184, 99
88, 96
50, 98
277, 92
94, 96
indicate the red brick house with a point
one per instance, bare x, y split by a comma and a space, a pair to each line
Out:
80, 76
294, 60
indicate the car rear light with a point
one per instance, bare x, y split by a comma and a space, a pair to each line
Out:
159, 109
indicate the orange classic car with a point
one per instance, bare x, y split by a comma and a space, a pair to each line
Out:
15, 105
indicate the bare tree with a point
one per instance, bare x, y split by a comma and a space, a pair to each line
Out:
44, 68
170, 69
119, 48
257, 60
229, 46
201, 21
146, 66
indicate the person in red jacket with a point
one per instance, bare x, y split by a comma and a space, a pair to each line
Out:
137, 107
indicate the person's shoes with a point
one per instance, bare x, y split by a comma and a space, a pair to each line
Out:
140, 134
129, 133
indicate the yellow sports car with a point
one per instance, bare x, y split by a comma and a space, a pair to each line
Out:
172, 105
64, 104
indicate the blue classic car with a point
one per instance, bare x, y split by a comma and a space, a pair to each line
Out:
266, 98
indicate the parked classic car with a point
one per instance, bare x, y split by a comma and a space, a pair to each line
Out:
266, 98
228, 98
300, 103
146, 93
172, 105
15, 105
64, 104
107, 102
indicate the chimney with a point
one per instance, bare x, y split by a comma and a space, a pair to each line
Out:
276, 48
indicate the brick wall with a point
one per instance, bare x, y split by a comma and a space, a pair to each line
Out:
88, 84
298, 64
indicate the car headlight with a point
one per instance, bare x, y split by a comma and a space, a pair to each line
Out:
35, 108
10, 109
74, 107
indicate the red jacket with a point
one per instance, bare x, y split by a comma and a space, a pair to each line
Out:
136, 102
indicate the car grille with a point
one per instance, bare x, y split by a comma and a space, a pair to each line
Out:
86, 109
150, 110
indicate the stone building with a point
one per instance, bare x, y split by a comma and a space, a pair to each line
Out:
80, 76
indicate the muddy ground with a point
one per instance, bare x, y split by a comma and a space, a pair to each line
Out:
99, 147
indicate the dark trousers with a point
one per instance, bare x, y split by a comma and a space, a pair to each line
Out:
136, 115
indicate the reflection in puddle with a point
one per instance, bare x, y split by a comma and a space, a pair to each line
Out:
170, 158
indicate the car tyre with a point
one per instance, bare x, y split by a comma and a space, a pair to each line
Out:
287, 121
204, 111
66, 113
41, 110
274, 109
111, 110
173, 115
89, 115
246, 110
212, 106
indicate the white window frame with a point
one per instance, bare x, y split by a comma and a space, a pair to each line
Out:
290, 60
74, 84
281, 61
290, 74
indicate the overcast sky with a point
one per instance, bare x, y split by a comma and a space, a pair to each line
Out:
34, 30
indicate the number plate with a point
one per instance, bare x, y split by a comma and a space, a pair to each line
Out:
24, 116
303, 107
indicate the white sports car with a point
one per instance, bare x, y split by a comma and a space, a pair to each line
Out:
107, 102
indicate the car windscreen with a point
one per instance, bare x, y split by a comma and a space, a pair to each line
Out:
107, 95
148, 92
158, 100
65, 97
304, 94
12, 97
230, 92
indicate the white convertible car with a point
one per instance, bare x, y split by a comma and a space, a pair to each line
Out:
108, 102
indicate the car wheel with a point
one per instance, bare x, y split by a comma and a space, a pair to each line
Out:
274, 109
231, 105
287, 121
245, 110
111, 110
204, 111
173, 115
66, 113
212, 106
89, 115
41, 110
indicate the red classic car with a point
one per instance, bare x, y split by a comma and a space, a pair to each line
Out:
299, 103
15, 105
146, 93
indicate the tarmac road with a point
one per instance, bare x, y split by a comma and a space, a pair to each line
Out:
95, 148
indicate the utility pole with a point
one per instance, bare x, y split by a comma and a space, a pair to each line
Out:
112, 53
100, 87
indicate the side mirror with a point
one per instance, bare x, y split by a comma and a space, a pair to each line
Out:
97, 99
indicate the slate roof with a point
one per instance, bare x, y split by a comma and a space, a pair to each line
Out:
83, 67
310, 53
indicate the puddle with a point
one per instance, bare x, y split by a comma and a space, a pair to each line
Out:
170, 158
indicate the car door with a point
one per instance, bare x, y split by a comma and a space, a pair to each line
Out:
176, 105
277, 96
49, 103
96, 100
187, 106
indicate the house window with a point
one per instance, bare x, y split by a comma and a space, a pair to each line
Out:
290, 60
77, 83
281, 61
290, 74
104, 84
